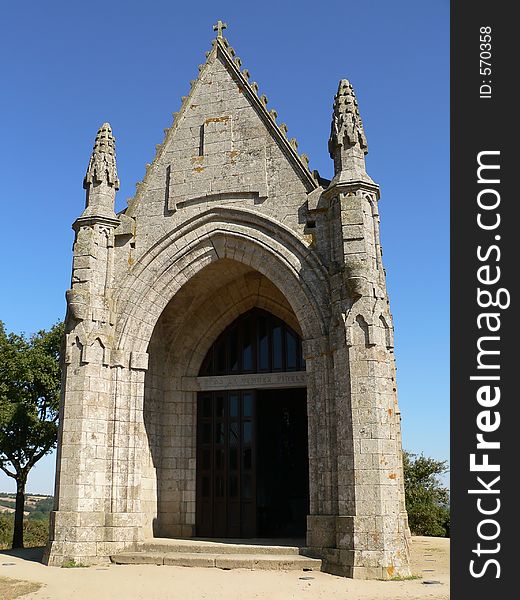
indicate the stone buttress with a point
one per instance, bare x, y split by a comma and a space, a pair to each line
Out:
227, 217
369, 537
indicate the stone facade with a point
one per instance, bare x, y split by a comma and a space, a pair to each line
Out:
228, 217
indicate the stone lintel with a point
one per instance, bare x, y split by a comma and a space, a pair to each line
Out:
256, 380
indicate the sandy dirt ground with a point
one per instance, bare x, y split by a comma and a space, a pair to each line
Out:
430, 561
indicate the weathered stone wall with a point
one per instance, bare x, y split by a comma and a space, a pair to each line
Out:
189, 324
228, 217
219, 151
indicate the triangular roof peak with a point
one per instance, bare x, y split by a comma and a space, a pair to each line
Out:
222, 48
279, 131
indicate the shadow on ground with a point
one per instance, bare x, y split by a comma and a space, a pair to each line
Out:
29, 554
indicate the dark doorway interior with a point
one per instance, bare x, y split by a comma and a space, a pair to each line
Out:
282, 480
252, 464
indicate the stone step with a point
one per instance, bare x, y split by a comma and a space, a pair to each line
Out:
276, 562
168, 545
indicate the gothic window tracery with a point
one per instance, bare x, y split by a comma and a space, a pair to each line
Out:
256, 342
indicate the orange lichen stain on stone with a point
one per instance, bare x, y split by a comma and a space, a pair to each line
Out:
390, 571
392, 476
130, 260
199, 169
310, 239
224, 119
197, 159
390, 412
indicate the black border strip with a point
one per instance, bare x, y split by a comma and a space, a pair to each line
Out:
483, 122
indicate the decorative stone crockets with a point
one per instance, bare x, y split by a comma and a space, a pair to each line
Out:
219, 225
87, 298
372, 518
347, 142
101, 181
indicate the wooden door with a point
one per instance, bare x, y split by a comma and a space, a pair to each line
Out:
226, 464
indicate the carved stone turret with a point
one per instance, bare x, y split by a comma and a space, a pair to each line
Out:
371, 527
347, 142
92, 267
354, 197
78, 523
101, 181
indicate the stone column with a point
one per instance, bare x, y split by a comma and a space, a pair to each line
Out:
125, 448
371, 530
78, 523
321, 532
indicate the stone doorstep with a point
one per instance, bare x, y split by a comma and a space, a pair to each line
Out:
169, 545
272, 562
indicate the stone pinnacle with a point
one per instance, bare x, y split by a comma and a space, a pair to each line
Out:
347, 128
102, 164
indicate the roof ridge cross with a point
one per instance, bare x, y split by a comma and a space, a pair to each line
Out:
219, 27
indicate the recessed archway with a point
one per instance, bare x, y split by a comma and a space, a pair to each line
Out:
252, 449
195, 317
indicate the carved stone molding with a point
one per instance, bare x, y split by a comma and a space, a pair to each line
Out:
139, 361
256, 380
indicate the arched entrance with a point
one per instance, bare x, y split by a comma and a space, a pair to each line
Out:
230, 307
252, 448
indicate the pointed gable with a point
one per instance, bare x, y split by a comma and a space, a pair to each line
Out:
224, 145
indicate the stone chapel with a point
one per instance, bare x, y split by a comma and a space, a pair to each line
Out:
229, 367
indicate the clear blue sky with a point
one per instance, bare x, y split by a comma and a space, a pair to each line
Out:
69, 66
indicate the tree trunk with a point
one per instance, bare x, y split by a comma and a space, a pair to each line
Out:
18, 514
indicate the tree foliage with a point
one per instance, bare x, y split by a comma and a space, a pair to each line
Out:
36, 531
427, 500
29, 403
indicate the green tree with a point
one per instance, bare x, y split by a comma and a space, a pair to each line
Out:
427, 500
30, 377
36, 533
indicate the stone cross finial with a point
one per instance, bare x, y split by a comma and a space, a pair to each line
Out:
219, 27
102, 164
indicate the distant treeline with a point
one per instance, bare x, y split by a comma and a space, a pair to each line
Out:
38, 510
28, 494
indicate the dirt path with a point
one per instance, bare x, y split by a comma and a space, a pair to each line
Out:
430, 560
